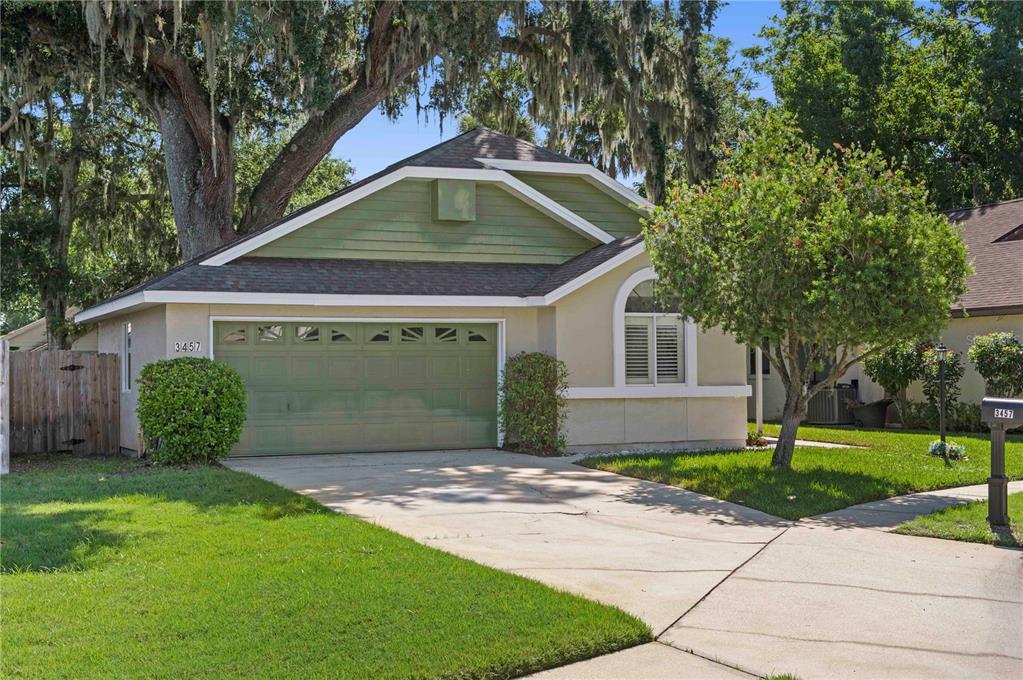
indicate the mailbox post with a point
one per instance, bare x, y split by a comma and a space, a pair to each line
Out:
1000, 415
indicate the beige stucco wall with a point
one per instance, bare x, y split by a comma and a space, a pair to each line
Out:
584, 323
689, 422
957, 336
149, 343
578, 329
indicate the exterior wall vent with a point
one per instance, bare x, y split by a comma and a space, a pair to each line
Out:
454, 200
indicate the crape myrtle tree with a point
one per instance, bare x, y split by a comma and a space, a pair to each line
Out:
811, 256
207, 70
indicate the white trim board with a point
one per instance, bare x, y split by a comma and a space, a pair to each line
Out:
501, 322
508, 182
669, 391
595, 177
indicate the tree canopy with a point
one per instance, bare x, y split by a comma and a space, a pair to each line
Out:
206, 71
808, 255
936, 85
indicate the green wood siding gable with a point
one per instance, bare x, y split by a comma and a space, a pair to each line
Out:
587, 201
397, 223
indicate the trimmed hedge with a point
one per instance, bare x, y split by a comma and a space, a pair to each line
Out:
190, 409
532, 408
998, 358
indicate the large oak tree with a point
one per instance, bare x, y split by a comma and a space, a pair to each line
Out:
208, 70
937, 85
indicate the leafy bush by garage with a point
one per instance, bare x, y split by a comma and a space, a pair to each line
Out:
998, 358
190, 409
532, 409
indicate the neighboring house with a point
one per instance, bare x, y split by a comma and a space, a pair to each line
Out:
993, 302
379, 318
32, 337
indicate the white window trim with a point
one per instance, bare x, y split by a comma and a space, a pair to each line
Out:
690, 374
500, 321
126, 351
593, 176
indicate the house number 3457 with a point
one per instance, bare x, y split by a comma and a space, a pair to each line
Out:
188, 346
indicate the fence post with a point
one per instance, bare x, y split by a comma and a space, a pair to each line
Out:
5, 407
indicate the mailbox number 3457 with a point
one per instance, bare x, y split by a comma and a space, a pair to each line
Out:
1004, 413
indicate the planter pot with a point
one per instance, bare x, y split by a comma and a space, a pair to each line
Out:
872, 414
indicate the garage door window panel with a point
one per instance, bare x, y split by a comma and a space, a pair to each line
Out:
271, 333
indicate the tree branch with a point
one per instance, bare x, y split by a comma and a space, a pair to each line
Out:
314, 140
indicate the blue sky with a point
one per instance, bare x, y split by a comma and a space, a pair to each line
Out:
377, 142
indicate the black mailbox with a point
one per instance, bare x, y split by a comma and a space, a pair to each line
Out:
1000, 415
1007, 413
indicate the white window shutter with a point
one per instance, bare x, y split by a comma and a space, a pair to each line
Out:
669, 349
637, 350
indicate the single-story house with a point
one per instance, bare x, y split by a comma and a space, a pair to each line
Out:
993, 302
380, 317
32, 337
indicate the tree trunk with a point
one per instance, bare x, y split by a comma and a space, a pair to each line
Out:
792, 416
654, 178
55, 284
202, 193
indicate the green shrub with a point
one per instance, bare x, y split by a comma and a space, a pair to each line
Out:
947, 450
190, 409
998, 357
532, 409
894, 368
961, 417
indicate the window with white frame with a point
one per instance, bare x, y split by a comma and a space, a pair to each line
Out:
654, 342
126, 353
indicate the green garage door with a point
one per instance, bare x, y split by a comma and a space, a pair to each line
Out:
320, 387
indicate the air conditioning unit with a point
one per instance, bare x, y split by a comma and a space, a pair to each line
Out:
830, 406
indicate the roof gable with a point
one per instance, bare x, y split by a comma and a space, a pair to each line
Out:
398, 223
467, 156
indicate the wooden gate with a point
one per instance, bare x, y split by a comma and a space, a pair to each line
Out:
64, 401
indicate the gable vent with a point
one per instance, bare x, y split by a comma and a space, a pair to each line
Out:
454, 200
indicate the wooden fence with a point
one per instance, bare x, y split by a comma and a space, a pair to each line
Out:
64, 401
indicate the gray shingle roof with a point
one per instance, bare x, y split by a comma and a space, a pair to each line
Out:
461, 151
358, 277
322, 276
997, 282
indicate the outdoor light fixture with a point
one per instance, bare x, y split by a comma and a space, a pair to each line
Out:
941, 351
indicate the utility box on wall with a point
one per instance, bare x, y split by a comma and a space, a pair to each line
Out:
454, 200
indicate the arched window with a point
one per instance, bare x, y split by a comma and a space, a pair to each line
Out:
654, 342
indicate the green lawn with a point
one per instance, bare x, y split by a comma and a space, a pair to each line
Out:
821, 480
114, 570
969, 523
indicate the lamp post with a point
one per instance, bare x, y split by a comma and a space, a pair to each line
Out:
941, 351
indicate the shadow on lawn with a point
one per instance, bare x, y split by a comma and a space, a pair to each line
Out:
790, 494
36, 536
47, 541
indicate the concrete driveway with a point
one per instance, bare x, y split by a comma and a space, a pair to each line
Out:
727, 590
